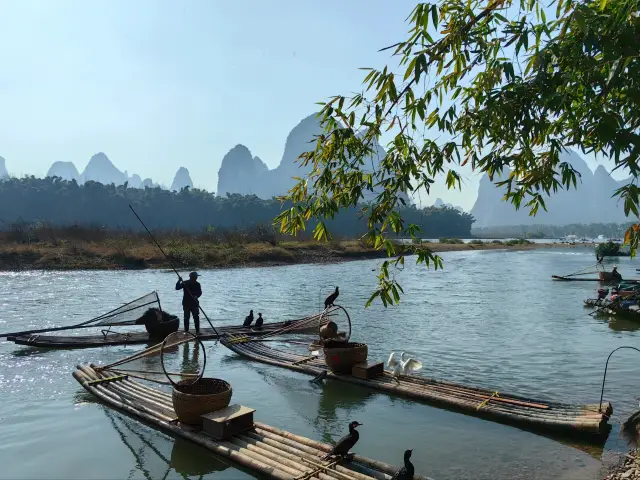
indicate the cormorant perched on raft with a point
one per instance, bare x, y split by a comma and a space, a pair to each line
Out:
248, 320
331, 298
346, 443
259, 321
406, 472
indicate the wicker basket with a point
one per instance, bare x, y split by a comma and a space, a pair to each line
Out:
341, 357
329, 330
190, 401
163, 328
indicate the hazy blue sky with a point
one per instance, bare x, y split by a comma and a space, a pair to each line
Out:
160, 84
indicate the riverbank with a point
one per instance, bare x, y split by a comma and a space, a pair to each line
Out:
127, 253
629, 468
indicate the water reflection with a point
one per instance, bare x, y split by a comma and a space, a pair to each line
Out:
187, 459
339, 396
619, 323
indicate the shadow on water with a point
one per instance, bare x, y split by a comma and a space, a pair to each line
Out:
186, 458
29, 351
619, 323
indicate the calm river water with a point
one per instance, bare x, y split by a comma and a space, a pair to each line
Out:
489, 318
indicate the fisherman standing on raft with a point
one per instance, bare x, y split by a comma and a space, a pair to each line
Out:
615, 274
190, 305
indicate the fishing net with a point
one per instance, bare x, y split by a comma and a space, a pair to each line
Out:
131, 313
179, 358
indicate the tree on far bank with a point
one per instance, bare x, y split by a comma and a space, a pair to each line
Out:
497, 85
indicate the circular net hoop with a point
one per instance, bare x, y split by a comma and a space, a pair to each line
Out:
340, 318
194, 358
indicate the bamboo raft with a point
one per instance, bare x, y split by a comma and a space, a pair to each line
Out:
129, 338
576, 420
264, 449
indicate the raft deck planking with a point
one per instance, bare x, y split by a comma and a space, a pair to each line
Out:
265, 449
582, 420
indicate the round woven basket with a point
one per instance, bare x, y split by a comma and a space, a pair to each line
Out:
324, 330
191, 400
162, 328
341, 357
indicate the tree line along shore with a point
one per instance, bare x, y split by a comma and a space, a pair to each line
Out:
78, 248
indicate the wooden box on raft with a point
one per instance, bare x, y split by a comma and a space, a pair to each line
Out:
228, 422
340, 357
366, 370
190, 401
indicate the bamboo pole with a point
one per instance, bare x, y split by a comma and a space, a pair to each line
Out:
113, 397
148, 393
381, 466
278, 440
153, 372
285, 453
125, 392
284, 466
155, 419
277, 443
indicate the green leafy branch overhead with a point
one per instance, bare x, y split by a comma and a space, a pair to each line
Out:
500, 86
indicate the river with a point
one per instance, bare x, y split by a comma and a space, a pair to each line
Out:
490, 318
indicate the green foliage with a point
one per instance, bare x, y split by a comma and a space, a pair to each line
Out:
497, 242
609, 249
476, 241
609, 230
518, 241
493, 84
232, 219
452, 241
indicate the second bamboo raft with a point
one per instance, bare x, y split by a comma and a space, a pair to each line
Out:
578, 420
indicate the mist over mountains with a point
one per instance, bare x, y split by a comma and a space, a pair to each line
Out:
3, 168
591, 202
243, 173
100, 169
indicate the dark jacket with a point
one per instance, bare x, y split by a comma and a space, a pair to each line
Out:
192, 286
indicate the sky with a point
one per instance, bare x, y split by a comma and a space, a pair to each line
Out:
159, 84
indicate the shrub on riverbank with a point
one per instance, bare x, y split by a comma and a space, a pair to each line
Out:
609, 249
451, 241
519, 241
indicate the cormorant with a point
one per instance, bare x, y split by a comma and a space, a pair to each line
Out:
346, 443
259, 321
248, 319
331, 298
406, 472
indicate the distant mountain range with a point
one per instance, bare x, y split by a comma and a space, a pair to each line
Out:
101, 169
243, 173
591, 202
439, 203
